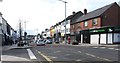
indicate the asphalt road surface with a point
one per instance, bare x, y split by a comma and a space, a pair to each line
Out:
62, 53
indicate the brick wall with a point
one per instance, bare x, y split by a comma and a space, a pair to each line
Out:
111, 16
90, 25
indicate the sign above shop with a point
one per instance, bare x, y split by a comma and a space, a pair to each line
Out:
99, 30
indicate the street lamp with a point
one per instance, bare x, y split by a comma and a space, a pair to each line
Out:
25, 33
65, 19
25, 24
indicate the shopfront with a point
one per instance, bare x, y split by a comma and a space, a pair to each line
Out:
85, 36
105, 35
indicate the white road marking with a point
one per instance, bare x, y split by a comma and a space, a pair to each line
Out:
104, 59
57, 51
12, 58
95, 47
90, 54
97, 57
52, 57
31, 55
78, 60
67, 54
117, 49
110, 48
79, 51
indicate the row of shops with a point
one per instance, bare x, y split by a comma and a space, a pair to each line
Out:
105, 35
101, 26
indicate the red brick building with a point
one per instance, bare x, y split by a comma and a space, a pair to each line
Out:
101, 26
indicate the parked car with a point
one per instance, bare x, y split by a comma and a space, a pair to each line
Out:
48, 41
75, 42
40, 43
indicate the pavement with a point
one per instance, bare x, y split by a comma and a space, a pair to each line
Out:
33, 45
10, 57
15, 47
93, 45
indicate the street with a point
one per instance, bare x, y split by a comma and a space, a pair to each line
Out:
63, 53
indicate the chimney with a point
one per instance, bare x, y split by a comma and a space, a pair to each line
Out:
0, 13
85, 11
73, 12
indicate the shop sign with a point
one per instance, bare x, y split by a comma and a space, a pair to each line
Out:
62, 34
99, 30
117, 28
110, 29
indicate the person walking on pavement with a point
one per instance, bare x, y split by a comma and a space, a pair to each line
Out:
68, 40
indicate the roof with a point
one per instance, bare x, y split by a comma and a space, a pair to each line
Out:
69, 17
0, 13
94, 13
75, 17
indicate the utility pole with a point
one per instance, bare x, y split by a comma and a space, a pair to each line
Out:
20, 30
65, 20
25, 33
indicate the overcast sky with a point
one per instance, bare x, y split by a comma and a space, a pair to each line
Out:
41, 14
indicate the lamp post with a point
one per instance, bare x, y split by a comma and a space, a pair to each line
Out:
65, 20
25, 33
25, 24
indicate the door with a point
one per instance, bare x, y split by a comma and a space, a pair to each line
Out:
86, 37
110, 39
94, 39
103, 39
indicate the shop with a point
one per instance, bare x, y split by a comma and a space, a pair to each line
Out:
105, 35
85, 36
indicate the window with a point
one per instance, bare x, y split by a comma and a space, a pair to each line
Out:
94, 22
66, 30
78, 25
63, 23
66, 21
86, 23
73, 26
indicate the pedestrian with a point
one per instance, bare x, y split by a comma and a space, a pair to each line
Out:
68, 40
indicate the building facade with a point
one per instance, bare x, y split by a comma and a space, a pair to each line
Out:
1, 40
101, 26
75, 26
5, 32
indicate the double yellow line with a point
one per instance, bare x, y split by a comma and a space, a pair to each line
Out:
48, 59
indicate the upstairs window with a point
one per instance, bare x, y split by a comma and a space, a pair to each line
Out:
85, 23
78, 25
62, 23
73, 26
94, 21
67, 21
